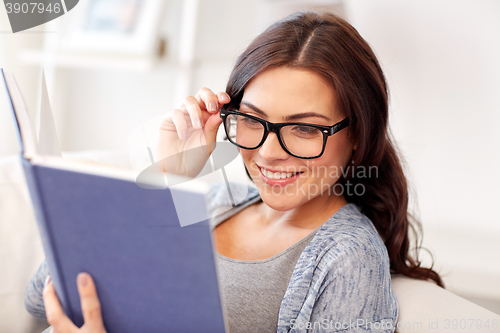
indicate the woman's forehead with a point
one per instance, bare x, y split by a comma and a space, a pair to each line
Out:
283, 91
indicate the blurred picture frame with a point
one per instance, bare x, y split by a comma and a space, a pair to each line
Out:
120, 27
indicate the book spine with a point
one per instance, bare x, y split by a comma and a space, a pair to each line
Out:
44, 228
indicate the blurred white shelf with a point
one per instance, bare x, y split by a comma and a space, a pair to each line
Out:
306, 2
94, 61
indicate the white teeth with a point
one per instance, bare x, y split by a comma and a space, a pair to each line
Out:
277, 175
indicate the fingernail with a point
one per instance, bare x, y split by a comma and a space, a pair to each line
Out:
83, 280
47, 281
184, 135
224, 96
197, 123
212, 106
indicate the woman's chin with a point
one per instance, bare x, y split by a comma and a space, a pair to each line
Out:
277, 198
278, 205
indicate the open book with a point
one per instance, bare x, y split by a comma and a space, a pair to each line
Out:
150, 251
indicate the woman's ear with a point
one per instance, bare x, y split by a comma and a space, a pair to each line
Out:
351, 138
353, 152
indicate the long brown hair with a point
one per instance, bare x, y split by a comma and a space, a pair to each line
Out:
328, 45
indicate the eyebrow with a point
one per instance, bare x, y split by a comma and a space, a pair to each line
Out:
291, 117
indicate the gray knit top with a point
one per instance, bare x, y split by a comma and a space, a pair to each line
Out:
252, 290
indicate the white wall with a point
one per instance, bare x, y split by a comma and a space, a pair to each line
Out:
10, 47
442, 62
102, 106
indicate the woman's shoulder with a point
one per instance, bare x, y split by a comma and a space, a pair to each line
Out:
350, 223
345, 265
227, 193
350, 232
227, 198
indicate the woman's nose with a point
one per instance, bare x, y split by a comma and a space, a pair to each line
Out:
271, 148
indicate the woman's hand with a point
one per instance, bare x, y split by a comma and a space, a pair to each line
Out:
187, 135
91, 308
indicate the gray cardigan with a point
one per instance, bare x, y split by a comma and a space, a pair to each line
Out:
341, 282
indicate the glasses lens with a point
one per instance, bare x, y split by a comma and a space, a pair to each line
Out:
244, 131
302, 140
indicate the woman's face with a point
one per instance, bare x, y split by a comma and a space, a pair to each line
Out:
274, 95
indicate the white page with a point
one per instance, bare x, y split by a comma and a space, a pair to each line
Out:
28, 135
48, 144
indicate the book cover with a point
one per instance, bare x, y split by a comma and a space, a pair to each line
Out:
151, 273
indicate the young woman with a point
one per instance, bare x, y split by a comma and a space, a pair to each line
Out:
314, 246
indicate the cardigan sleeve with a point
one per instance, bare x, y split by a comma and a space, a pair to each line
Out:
33, 298
356, 294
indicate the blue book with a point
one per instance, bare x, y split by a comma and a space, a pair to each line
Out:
151, 273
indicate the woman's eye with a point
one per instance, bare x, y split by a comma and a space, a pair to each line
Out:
249, 120
306, 130
249, 123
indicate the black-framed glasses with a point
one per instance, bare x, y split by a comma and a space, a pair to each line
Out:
297, 139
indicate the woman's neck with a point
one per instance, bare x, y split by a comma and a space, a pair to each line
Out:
309, 215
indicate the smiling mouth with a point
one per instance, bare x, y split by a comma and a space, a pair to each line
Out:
278, 175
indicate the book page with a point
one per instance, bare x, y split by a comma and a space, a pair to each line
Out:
29, 143
48, 144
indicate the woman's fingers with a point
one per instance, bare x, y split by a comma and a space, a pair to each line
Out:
205, 100
200, 112
55, 315
194, 110
91, 306
180, 123
208, 100
223, 98
211, 101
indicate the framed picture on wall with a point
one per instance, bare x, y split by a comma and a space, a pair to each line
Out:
125, 27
